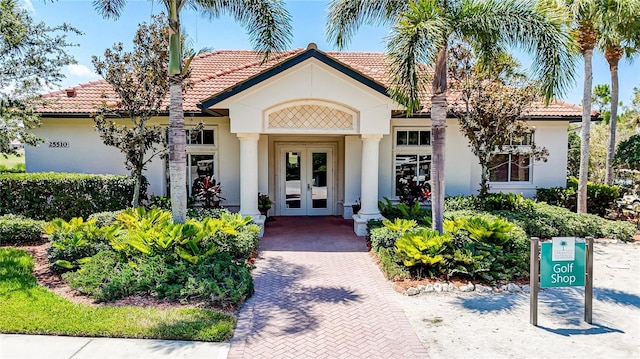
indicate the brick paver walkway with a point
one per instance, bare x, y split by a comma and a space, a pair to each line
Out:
319, 295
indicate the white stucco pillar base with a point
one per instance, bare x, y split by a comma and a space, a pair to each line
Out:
360, 223
368, 184
249, 178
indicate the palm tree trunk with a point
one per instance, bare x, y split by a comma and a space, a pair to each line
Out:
613, 56
177, 137
585, 133
438, 139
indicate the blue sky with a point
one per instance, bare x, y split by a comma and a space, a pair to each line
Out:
309, 18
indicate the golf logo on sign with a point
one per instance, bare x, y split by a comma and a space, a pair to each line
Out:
563, 249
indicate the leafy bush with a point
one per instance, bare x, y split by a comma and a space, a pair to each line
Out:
387, 235
416, 212
104, 277
162, 202
547, 221
490, 202
63, 195
217, 279
424, 249
620, 230
485, 246
104, 219
199, 214
389, 263
600, 197
74, 242
144, 252
17, 230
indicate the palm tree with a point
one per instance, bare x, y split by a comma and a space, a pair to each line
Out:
421, 33
269, 28
585, 17
619, 36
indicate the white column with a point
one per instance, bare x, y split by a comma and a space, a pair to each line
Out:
369, 184
249, 177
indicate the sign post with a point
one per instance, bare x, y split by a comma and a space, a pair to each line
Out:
564, 262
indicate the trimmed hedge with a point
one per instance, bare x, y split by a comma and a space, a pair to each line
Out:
600, 197
63, 195
17, 230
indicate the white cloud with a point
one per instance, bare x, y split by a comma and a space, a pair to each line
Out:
28, 6
81, 71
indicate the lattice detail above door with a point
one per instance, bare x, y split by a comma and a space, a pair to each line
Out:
310, 116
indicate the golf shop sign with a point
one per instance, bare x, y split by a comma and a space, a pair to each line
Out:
562, 263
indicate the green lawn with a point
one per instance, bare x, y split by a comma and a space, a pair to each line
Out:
28, 308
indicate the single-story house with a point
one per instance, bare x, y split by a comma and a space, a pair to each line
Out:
316, 131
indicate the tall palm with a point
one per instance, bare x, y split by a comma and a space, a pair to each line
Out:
421, 33
269, 28
585, 17
619, 36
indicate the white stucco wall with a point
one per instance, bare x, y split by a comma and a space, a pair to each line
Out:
462, 169
86, 152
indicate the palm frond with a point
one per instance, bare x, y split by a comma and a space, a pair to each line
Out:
346, 16
109, 9
539, 28
620, 26
268, 22
415, 40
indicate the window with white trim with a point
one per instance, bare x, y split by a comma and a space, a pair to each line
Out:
412, 155
202, 156
512, 166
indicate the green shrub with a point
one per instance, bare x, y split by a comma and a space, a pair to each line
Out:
162, 202
63, 195
487, 247
547, 221
387, 235
491, 202
424, 249
74, 242
104, 219
217, 279
389, 263
620, 230
18, 230
600, 197
199, 213
105, 277
416, 212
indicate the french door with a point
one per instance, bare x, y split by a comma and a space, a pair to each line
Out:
305, 176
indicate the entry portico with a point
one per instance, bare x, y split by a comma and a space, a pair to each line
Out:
308, 110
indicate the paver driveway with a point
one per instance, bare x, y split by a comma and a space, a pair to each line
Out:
319, 295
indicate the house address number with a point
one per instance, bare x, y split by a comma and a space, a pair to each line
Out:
59, 144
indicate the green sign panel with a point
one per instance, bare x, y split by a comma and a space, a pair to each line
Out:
562, 263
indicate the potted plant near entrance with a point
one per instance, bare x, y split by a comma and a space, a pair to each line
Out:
264, 203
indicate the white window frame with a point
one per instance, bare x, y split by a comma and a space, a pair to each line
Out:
199, 149
509, 182
417, 150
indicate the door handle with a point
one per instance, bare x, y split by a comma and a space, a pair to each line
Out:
308, 186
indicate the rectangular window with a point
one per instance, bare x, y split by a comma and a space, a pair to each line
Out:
413, 138
201, 137
510, 168
412, 156
412, 168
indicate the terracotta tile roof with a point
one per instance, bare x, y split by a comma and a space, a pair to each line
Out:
220, 70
